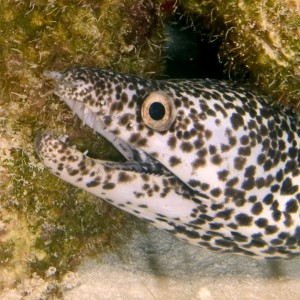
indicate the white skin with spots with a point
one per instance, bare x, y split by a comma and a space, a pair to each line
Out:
103, 172
223, 175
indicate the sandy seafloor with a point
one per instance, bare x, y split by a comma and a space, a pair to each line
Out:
157, 266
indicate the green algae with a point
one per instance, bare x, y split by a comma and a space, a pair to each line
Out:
260, 40
62, 223
46, 223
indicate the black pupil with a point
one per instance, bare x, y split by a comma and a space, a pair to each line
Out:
157, 111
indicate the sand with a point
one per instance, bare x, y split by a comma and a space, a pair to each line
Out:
158, 266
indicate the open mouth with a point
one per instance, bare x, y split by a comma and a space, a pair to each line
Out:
137, 160
140, 179
78, 88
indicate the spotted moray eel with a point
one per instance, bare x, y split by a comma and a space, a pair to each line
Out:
208, 161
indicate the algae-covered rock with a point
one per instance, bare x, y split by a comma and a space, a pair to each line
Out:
45, 224
258, 38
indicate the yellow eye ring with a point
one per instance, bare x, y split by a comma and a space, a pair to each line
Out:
158, 111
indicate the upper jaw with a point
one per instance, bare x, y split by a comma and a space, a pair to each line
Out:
137, 159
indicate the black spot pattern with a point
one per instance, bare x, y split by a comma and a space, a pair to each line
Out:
227, 168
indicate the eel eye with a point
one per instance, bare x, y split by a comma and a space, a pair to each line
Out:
158, 111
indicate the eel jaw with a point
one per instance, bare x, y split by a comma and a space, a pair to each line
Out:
152, 197
137, 160
141, 162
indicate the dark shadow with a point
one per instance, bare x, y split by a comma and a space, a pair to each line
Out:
190, 53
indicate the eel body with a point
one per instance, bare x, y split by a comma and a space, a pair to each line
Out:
208, 161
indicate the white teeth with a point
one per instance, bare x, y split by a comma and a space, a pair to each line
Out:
64, 139
90, 119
